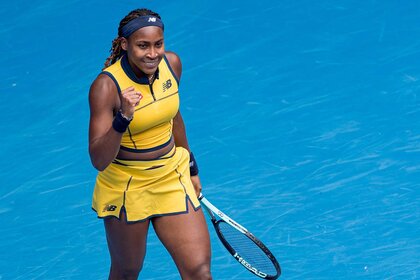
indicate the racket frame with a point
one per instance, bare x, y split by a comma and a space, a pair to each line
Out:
213, 211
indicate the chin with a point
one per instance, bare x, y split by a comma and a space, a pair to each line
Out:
149, 70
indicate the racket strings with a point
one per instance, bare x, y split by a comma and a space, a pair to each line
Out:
247, 249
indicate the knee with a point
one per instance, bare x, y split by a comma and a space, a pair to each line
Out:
124, 272
200, 272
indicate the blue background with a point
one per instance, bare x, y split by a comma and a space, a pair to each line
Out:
303, 115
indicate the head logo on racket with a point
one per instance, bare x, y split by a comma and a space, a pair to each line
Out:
249, 267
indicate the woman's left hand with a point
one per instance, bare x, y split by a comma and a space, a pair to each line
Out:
197, 184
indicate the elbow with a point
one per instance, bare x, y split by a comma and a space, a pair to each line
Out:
98, 163
99, 167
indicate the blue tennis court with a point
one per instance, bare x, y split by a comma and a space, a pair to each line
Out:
304, 117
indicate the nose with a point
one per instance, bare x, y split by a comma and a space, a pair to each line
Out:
153, 53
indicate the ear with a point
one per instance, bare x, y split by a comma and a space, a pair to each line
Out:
124, 43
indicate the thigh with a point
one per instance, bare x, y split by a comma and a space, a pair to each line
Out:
126, 242
185, 235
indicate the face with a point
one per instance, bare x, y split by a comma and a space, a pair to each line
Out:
145, 49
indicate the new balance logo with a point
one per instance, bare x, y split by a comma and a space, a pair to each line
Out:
152, 19
109, 208
166, 85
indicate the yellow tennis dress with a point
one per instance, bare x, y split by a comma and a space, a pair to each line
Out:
149, 188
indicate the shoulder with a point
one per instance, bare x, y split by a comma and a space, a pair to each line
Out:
174, 62
103, 89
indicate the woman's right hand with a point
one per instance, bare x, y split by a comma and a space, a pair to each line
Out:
130, 98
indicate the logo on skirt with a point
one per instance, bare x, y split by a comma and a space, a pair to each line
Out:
109, 208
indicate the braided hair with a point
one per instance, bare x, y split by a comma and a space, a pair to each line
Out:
116, 50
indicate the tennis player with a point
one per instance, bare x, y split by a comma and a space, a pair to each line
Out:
137, 142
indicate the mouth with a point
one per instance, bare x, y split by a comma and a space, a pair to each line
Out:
151, 64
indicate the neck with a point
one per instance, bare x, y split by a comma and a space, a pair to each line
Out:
140, 74
151, 78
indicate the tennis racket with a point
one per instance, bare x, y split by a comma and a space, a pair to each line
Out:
241, 244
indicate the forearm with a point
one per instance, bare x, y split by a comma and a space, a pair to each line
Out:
180, 133
181, 141
103, 150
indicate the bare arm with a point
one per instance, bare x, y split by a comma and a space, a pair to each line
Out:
179, 130
104, 141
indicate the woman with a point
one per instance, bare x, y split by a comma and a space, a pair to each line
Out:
137, 141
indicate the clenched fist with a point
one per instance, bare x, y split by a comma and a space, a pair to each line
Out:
130, 98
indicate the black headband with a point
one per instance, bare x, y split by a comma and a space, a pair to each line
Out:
140, 22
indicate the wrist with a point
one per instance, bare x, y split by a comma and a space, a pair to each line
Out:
120, 123
125, 116
193, 165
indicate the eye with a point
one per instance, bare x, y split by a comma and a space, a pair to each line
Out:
159, 44
142, 46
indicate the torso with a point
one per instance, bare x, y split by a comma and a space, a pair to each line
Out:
151, 126
146, 156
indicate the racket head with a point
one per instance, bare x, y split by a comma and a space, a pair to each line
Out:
248, 250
